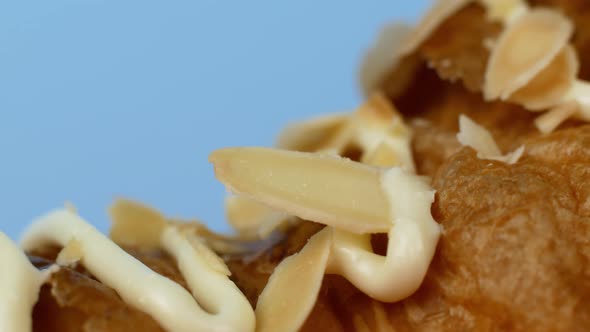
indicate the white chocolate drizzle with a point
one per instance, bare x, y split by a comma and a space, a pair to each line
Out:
412, 242
413, 233
20, 283
219, 304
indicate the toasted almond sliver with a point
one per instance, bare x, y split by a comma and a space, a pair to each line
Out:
70, 254
547, 122
524, 49
377, 110
382, 57
324, 188
309, 135
511, 157
135, 224
377, 129
248, 216
480, 139
504, 10
551, 84
382, 156
477, 137
441, 10
580, 94
292, 289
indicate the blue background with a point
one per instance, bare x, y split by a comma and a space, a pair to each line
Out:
105, 99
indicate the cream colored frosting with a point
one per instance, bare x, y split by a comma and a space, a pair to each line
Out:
218, 305
20, 283
412, 242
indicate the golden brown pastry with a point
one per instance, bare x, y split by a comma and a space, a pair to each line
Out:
321, 239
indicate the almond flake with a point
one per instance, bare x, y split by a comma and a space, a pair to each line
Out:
250, 217
547, 122
548, 88
324, 188
293, 287
480, 139
135, 224
524, 49
376, 125
309, 135
70, 254
504, 11
441, 10
382, 57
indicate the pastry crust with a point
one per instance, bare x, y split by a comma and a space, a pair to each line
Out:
514, 253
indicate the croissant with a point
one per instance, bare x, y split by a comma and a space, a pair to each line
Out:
454, 198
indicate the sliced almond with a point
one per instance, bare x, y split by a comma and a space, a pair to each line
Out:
327, 189
547, 122
376, 125
548, 88
441, 10
477, 137
382, 156
377, 111
248, 216
70, 254
511, 157
309, 135
580, 94
480, 139
524, 49
135, 224
292, 289
382, 57
504, 10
